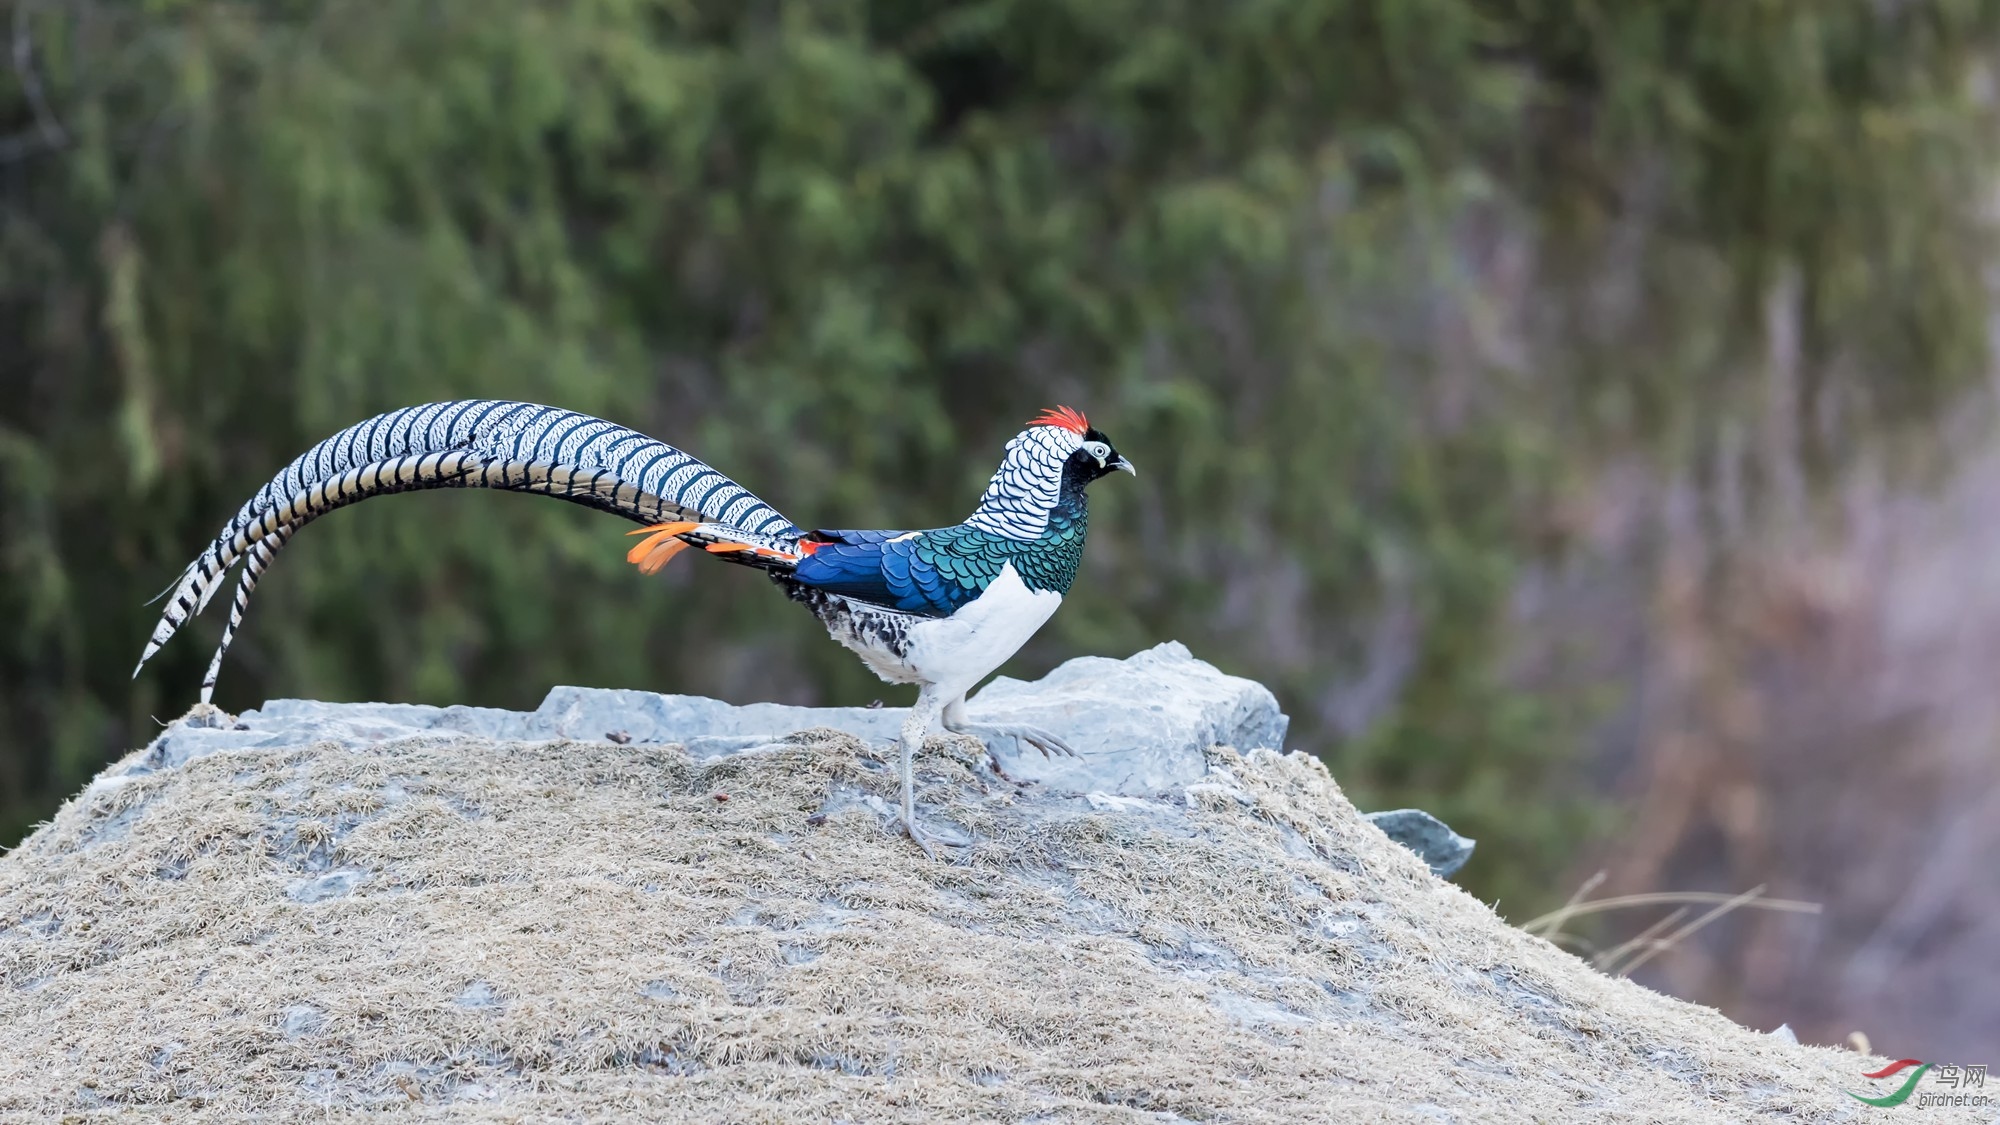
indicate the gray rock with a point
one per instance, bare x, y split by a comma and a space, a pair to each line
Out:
319, 888
545, 928
478, 996
1141, 725
301, 1020
295, 722
707, 727
1446, 851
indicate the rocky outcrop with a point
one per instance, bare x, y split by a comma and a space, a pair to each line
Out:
1141, 726
625, 906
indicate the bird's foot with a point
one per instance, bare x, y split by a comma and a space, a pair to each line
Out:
930, 840
1038, 737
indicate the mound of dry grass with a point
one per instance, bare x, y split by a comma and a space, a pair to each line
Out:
457, 928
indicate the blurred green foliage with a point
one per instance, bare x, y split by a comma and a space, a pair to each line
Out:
1358, 283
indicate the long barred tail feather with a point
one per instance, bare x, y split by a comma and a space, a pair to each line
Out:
471, 443
168, 588
259, 560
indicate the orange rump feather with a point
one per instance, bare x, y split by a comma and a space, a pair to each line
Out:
663, 541
662, 555
669, 528
660, 545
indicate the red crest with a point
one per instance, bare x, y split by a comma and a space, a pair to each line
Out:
1062, 416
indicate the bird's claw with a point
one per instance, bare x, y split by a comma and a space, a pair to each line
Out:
920, 837
1043, 740
930, 841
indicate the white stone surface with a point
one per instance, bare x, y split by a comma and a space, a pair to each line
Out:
1141, 725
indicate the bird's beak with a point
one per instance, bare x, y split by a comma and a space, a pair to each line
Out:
1122, 463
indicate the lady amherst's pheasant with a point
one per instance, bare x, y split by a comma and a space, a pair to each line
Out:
940, 609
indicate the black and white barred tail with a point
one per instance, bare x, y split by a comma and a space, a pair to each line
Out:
472, 443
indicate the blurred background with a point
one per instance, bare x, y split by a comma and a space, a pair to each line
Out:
1580, 414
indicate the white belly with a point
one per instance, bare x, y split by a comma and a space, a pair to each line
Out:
953, 652
957, 652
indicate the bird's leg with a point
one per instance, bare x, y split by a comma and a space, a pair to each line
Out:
958, 722
954, 714
954, 720
915, 726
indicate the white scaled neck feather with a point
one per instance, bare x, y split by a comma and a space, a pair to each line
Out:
1018, 499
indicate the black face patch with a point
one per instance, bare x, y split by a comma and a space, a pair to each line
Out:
1082, 467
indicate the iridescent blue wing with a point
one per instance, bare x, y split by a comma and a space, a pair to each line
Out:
929, 572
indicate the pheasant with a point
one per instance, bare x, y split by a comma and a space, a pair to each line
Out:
940, 609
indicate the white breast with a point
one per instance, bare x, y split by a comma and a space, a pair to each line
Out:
957, 652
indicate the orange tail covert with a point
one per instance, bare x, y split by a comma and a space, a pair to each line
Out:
659, 547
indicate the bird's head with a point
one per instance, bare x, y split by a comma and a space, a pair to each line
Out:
1046, 465
1090, 452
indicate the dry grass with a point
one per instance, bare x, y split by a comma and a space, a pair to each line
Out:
461, 929
1664, 934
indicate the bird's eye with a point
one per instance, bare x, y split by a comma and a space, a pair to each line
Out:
1098, 450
